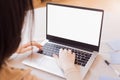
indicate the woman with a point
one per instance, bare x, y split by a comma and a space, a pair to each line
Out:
12, 14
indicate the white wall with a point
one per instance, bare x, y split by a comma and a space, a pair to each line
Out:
39, 26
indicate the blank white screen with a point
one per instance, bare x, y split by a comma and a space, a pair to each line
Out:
75, 24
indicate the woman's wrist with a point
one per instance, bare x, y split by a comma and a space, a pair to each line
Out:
71, 68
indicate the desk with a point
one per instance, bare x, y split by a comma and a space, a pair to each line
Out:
111, 27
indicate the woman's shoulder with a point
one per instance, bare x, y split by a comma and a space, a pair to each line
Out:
11, 73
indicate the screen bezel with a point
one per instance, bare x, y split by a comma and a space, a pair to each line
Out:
70, 42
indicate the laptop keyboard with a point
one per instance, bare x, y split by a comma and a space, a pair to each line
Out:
81, 58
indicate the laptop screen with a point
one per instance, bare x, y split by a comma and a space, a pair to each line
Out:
74, 23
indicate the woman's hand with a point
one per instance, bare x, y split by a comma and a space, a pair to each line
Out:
66, 59
28, 46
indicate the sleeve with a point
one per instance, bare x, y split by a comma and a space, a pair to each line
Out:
30, 77
13, 73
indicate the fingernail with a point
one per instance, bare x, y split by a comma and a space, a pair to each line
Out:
69, 50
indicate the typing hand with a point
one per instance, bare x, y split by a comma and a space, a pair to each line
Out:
66, 59
27, 47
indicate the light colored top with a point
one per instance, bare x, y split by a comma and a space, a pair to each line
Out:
10, 73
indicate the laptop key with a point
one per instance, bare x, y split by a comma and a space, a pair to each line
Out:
81, 58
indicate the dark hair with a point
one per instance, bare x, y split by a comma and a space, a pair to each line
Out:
12, 13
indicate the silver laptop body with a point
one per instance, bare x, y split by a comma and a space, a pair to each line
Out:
71, 27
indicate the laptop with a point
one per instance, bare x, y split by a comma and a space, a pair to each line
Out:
69, 27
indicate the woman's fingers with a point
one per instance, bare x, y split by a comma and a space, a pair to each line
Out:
66, 58
55, 56
36, 44
28, 46
25, 49
33, 43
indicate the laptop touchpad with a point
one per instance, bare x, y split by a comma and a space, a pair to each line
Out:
44, 63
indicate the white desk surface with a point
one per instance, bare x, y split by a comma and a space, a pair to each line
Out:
110, 31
